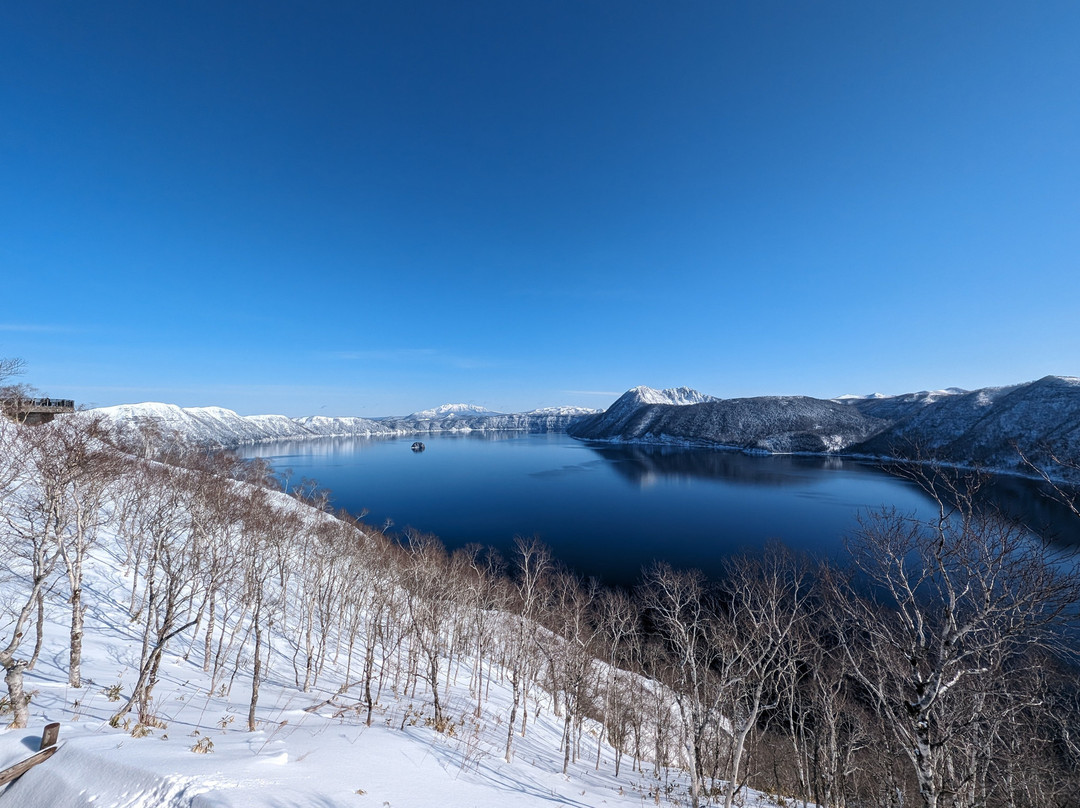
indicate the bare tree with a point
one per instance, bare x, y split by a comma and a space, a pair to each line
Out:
1055, 462
13, 395
10, 392
571, 649
373, 598
533, 561
215, 515
826, 726
619, 623
429, 597
267, 531
938, 619
28, 555
767, 611
170, 571
484, 585
319, 597
690, 658
77, 467
11, 366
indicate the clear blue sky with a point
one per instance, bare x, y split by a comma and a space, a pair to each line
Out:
371, 208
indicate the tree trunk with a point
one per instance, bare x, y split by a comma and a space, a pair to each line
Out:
514, 679
433, 668
567, 739
924, 766
208, 643
369, 668
39, 629
255, 672
736, 760
20, 702
75, 654
695, 775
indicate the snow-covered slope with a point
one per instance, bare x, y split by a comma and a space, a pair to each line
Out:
549, 411
216, 426
987, 427
205, 425
311, 746
895, 407
772, 423
981, 427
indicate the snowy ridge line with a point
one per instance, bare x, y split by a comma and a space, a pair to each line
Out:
992, 429
220, 427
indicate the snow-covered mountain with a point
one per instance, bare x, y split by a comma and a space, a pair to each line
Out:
216, 426
548, 411
767, 423
204, 425
982, 427
894, 407
925, 395
675, 396
988, 427
451, 411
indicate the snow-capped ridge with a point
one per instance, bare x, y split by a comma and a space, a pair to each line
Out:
547, 411
858, 397
925, 395
979, 427
217, 426
673, 396
452, 411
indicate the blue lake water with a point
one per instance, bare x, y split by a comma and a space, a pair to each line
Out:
607, 510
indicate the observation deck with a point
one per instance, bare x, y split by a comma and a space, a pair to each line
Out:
35, 411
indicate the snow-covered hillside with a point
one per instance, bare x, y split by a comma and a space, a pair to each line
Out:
772, 424
981, 427
311, 743
549, 411
988, 427
216, 426
310, 750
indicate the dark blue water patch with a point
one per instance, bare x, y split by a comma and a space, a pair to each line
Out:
604, 509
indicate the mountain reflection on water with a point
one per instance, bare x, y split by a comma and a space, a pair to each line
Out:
608, 509
1030, 502
643, 463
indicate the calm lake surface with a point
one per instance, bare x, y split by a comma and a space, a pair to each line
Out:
607, 510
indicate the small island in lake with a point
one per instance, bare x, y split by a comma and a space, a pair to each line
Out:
418, 446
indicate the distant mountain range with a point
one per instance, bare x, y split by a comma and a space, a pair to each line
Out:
216, 426
987, 428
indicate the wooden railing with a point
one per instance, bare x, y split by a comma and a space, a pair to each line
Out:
34, 410
56, 404
46, 750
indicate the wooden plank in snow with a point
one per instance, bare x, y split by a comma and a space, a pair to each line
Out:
48, 749
49, 735
22, 767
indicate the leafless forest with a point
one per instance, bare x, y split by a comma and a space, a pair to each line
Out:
936, 668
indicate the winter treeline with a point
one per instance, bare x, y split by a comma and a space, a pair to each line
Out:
934, 668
